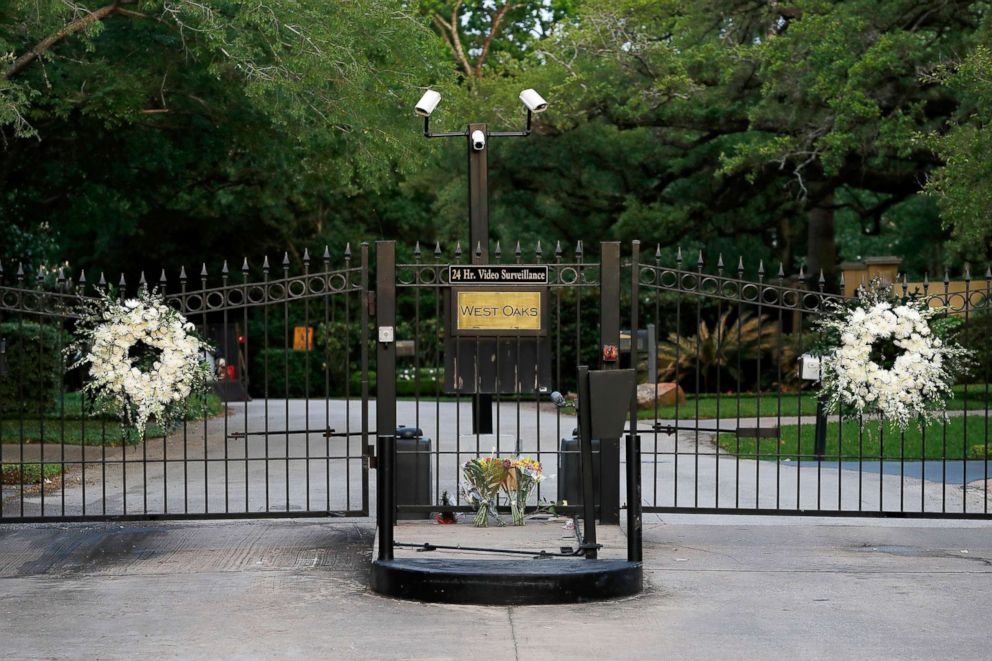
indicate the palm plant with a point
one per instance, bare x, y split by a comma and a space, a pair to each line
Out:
729, 346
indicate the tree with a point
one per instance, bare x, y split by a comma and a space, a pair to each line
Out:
760, 118
192, 129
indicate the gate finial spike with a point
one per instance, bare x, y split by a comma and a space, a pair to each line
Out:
988, 272
347, 250
578, 248
122, 282
244, 265
437, 248
781, 270
926, 280
802, 272
20, 269
558, 249
102, 281
538, 250
285, 260
478, 248
499, 250
203, 270
842, 281
516, 250
740, 265
719, 261
761, 267
327, 252
265, 263
699, 260
1, 268
458, 249
141, 279
947, 277
416, 250
306, 255
223, 268
678, 255
162, 277
82, 277
822, 280
61, 275
967, 272
657, 251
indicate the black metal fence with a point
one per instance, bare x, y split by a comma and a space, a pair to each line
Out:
284, 433
743, 433
724, 422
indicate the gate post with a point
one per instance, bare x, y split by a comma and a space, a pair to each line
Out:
609, 335
634, 544
385, 405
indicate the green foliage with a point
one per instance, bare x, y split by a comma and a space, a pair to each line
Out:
29, 473
731, 346
961, 184
33, 367
974, 335
162, 125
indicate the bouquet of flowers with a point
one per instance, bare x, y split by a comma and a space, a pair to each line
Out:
522, 475
886, 357
484, 477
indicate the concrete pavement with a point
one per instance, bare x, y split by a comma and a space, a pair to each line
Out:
718, 587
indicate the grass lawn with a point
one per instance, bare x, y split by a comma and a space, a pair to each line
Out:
32, 473
65, 423
791, 404
872, 442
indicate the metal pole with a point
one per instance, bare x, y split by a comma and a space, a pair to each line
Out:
634, 530
478, 237
820, 434
478, 197
386, 497
585, 447
385, 409
609, 332
634, 541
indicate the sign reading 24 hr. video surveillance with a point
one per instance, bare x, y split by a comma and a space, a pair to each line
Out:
499, 274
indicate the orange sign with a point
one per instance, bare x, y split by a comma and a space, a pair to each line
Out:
303, 338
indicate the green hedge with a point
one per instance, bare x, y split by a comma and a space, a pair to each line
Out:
33, 367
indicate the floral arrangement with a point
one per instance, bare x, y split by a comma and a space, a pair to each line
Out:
888, 359
144, 359
485, 477
522, 475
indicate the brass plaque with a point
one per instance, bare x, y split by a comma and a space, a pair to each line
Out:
498, 310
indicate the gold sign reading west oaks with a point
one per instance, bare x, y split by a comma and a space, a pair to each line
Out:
498, 310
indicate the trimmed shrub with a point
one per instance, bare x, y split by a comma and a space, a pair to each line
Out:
33, 368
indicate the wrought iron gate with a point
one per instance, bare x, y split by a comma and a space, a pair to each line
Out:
290, 439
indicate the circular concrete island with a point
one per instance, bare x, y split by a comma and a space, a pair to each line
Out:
506, 582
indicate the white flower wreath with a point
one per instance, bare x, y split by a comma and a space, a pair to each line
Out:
144, 359
889, 361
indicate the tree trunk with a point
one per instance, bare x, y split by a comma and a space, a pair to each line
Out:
821, 246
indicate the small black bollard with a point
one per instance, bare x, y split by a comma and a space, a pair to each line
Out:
820, 438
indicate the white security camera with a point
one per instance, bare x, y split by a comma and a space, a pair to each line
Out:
478, 140
428, 102
534, 101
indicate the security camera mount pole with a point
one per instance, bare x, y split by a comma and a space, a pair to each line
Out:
478, 227
478, 181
